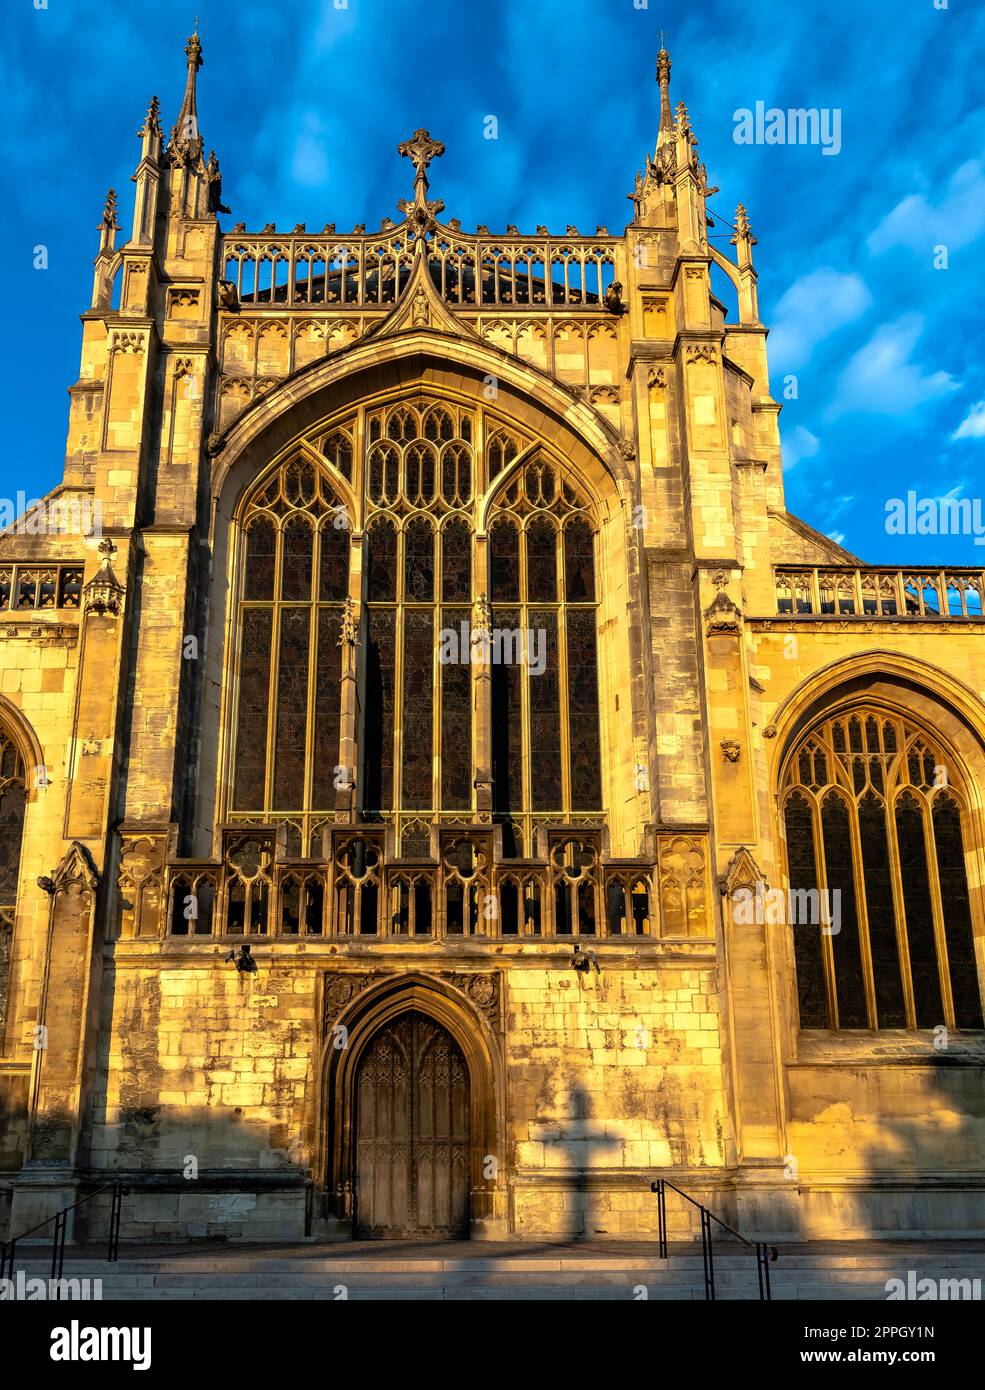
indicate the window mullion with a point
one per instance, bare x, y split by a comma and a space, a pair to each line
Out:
525, 717
309, 723
827, 941
937, 904
564, 710
861, 912
902, 939
399, 610
268, 799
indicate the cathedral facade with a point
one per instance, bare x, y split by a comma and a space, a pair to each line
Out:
442, 788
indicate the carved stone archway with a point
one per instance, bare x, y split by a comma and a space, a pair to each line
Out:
470, 1008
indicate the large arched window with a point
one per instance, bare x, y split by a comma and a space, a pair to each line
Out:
294, 582
420, 468
417, 731
545, 704
13, 797
874, 816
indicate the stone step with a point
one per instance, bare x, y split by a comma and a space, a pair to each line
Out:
267, 1279
522, 1293
196, 1266
666, 1283
261, 1274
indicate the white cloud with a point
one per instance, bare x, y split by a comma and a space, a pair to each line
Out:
956, 221
309, 166
973, 424
837, 536
880, 379
812, 308
797, 444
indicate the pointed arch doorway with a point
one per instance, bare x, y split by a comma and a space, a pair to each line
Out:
412, 1133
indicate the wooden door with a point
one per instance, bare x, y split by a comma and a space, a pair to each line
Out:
412, 1133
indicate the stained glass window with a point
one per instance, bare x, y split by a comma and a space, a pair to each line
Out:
13, 798
873, 814
417, 729
545, 702
295, 578
420, 481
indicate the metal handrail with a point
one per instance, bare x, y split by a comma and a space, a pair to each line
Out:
765, 1253
60, 1218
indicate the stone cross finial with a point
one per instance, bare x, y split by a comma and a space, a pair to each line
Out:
420, 150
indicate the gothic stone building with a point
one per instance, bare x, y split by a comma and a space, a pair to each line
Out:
443, 787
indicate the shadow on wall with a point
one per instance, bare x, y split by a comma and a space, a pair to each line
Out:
194, 1171
892, 1147
198, 1174
576, 1144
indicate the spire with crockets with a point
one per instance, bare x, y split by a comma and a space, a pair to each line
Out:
185, 141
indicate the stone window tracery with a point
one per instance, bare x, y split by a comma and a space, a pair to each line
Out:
875, 824
545, 706
420, 481
13, 799
424, 628
295, 578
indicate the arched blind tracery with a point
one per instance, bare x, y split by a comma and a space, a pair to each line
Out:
873, 816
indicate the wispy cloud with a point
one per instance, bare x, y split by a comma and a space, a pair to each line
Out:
796, 444
956, 220
973, 424
813, 308
880, 378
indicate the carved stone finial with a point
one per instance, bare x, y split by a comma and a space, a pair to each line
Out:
193, 49
663, 81
482, 620
742, 228
152, 121
109, 220
102, 595
420, 150
349, 632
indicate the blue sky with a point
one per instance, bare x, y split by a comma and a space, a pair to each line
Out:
305, 103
